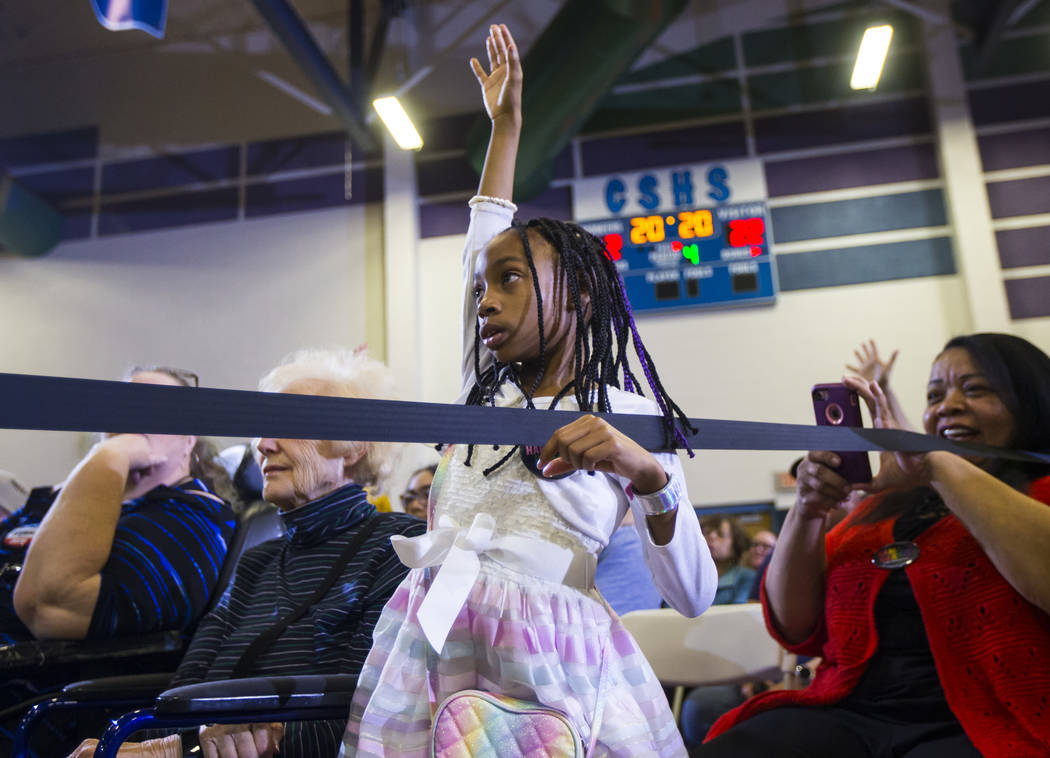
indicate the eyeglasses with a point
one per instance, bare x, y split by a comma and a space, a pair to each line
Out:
409, 496
187, 378
761, 546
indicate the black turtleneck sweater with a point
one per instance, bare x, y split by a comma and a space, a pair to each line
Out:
334, 637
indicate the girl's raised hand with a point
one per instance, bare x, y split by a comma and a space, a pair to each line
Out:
592, 444
501, 86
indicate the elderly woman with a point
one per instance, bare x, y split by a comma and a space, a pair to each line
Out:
318, 487
929, 602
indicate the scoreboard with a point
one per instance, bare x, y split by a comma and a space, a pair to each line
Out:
702, 255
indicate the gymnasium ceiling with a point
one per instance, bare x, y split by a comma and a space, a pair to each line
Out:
426, 42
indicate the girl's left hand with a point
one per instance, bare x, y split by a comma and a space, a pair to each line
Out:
592, 444
896, 469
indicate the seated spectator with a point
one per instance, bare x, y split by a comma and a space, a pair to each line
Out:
131, 543
90, 549
703, 705
318, 487
761, 547
621, 576
728, 542
929, 602
417, 493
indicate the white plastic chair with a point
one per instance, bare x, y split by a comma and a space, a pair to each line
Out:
727, 644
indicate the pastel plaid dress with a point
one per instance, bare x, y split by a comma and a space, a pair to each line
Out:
516, 633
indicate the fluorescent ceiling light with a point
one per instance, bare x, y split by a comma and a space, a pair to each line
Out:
872, 54
398, 123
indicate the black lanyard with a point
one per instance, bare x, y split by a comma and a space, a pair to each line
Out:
246, 663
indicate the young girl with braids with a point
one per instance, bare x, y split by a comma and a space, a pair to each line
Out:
501, 595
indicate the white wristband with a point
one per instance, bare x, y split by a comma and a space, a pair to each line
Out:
479, 199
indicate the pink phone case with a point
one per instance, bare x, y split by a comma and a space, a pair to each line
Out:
838, 405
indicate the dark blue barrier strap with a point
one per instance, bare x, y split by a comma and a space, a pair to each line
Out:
91, 405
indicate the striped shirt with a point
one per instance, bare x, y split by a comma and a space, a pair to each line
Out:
166, 557
335, 635
167, 552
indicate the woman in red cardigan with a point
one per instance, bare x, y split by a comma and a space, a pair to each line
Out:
929, 603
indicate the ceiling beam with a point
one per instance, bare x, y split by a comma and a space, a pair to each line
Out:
355, 52
1000, 20
292, 32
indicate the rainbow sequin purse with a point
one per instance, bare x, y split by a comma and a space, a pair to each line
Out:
473, 723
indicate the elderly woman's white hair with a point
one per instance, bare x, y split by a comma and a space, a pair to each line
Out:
345, 373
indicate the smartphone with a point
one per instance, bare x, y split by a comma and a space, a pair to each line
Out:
838, 405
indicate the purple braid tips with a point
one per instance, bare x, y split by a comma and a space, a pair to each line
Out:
683, 441
638, 346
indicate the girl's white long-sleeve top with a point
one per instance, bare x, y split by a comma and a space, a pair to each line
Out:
682, 570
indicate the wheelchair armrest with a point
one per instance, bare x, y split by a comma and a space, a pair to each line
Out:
258, 693
134, 686
37, 654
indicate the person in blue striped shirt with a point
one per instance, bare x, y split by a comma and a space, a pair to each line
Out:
131, 543
318, 486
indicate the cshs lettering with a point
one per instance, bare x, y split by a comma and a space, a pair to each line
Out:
649, 194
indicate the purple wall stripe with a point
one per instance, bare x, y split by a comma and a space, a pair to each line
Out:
455, 174
171, 170
441, 219
308, 151
1022, 197
1028, 298
51, 147
694, 144
76, 225
448, 132
850, 124
1014, 102
312, 193
452, 217
445, 175
1023, 247
562, 168
58, 187
831, 172
1013, 149
182, 209
554, 203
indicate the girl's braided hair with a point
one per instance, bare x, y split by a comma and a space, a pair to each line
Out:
584, 265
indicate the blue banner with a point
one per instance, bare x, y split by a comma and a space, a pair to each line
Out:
119, 15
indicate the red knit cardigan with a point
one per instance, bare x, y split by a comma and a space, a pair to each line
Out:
991, 647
